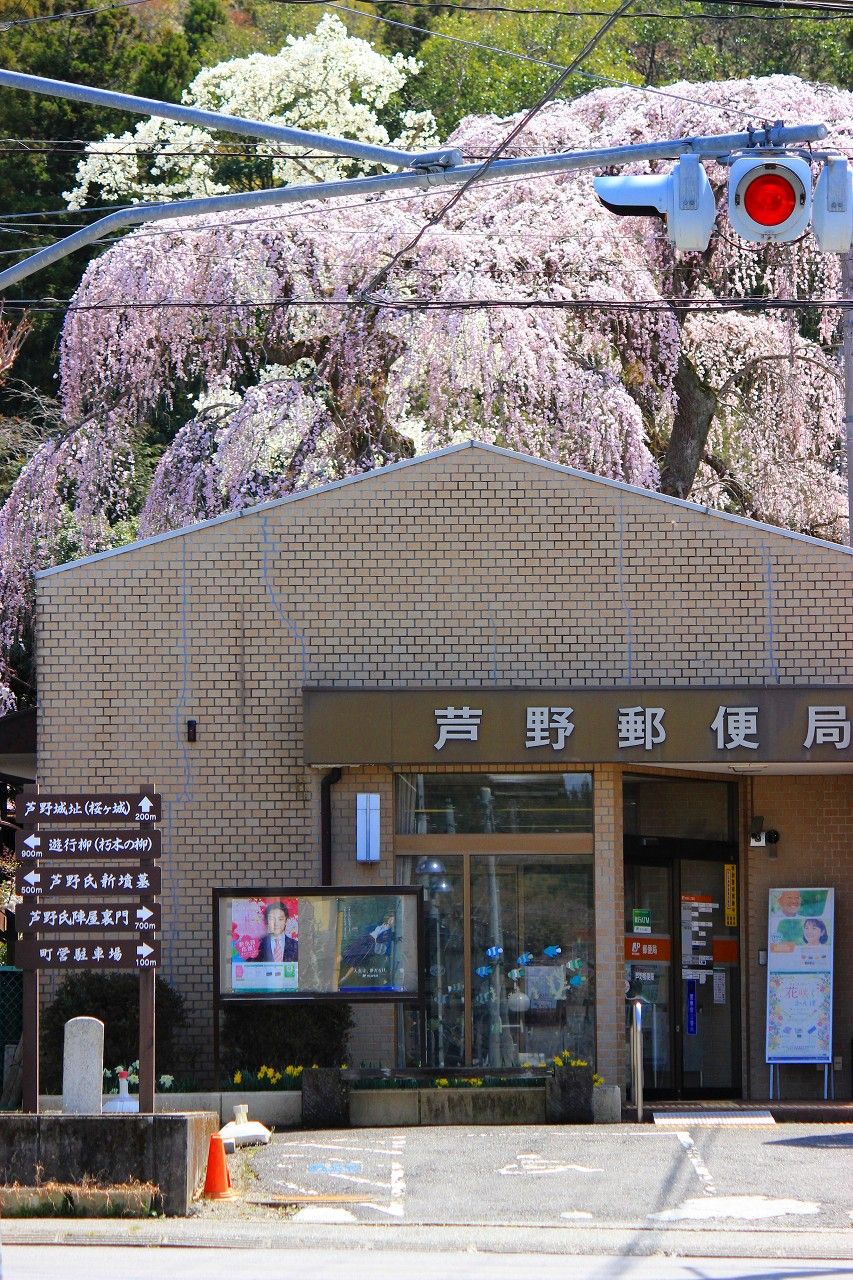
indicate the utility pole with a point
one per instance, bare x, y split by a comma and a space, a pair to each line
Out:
847, 361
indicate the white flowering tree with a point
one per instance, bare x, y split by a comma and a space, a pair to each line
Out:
327, 82
257, 322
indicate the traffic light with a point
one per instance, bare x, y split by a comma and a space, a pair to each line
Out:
683, 197
832, 214
770, 200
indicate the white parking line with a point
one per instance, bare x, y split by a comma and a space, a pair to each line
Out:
696, 1160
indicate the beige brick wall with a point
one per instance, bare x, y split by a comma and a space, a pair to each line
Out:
814, 818
467, 569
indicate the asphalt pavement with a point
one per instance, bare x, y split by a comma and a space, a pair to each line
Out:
636, 1176
633, 1201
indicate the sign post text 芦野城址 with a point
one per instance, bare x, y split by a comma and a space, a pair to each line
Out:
82, 910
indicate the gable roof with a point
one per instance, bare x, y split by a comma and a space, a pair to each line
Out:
526, 458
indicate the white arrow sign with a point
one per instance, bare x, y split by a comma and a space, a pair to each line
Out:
33, 842
143, 913
146, 805
144, 950
32, 877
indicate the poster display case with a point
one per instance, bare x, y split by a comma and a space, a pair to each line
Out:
281, 943
799, 976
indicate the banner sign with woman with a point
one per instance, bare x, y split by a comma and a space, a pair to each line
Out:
799, 976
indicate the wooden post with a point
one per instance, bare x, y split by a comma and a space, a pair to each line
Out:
30, 1036
147, 989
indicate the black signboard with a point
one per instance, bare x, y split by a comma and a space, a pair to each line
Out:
87, 917
127, 953
72, 880
39, 808
31, 845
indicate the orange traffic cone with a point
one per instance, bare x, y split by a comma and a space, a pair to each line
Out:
217, 1184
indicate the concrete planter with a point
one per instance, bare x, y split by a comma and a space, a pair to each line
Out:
607, 1104
72, 1201
277, 1109
34, 1202
166, 1151
384, 1108
325, 1098
482, 1106
568, 1096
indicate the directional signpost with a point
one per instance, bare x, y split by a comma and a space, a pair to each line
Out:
88, 917
55, 807
139, 953
31, 845
72, 880
89, 881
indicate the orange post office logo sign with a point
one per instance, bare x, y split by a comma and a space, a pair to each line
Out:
648, 950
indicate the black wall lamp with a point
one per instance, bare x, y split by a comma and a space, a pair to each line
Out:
192, 725
759, 838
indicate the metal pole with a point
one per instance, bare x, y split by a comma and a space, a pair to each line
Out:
30, 1047
847, 361
501, 169
637, 1028
225, 124
147, 1043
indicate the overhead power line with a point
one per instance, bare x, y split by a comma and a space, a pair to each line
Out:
740, 114
805, 7
67, 14
606, 305
458, 195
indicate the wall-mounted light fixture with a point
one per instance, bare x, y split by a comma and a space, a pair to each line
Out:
367, 826
192, 726
759, 838
756, 833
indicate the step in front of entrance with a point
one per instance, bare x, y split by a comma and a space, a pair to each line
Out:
713, 1117
710, 1112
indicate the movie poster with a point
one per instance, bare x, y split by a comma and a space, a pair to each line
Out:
264, 944
799, 975
367, 943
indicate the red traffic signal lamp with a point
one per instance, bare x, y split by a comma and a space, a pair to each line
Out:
770, 200
683, 198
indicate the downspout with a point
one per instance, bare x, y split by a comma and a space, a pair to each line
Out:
327, 782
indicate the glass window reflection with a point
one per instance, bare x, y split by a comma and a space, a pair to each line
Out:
512, 803
441, 880
532, 959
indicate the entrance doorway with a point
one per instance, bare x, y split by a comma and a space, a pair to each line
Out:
682, 961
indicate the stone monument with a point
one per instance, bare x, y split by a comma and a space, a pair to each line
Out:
83, 1067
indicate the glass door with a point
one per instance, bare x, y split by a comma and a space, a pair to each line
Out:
682, 961
709, 979
648, 968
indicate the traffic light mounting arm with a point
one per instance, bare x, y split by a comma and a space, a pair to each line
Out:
438, 168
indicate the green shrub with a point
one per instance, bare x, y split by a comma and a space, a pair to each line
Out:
114, 998
302, 1034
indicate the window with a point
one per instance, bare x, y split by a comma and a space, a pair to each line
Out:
510, 803
524, 961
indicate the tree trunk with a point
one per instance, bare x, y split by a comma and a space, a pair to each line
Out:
697, 405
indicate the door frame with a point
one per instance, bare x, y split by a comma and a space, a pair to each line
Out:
670, 851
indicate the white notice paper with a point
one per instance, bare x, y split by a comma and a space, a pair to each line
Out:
719, 986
